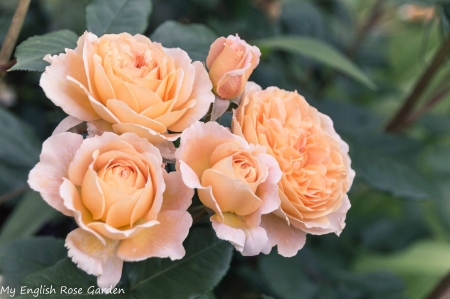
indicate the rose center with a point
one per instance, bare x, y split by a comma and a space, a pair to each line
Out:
244, 169
139, 61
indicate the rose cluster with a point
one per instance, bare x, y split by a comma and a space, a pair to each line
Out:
280, 172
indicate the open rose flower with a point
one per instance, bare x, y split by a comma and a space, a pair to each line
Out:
236, 180
130, 82
313, 158
127, 207
231, 61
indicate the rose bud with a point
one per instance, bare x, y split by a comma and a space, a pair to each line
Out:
231, 61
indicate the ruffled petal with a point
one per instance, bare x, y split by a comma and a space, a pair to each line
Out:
163, 240
47, 176
97, 259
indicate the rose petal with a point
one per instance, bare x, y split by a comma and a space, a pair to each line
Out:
97, 259
61, 92
202, 93
47, 176
163, 240
177, 195
247, 240
66, 124
288, 238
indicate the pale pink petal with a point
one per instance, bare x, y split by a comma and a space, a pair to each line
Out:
202, 94
163, 240
47, 176
267, 191
250, 87
61, 92
249, 241
288, 239
177, 195
66, 124
191, 180
97, 259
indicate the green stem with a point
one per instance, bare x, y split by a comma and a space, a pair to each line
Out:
404, 112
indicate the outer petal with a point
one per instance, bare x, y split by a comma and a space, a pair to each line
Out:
64, 93
215, 49
247, 240
47, 176
335, 223
177, 195
66, 124
163, 240
95, 258
202, 94
194, 151
288, 238
267, 191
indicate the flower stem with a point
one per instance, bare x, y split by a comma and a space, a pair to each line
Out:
441, 290
13, 33
404, 112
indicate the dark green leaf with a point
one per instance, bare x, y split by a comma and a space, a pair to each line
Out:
286, 277
19, 151
195, 39
36, 212
206, 261
31, 52
317, 50
117, 16
22, 257
66, 278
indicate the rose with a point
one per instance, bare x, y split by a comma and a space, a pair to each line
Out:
231, 61
237, 181
130, 82
313, 158
127, 207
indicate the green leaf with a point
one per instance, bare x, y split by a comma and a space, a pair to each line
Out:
31, 52
117, 16
421, 265
206, 261
66, 278
28, 217
317, 50
195, 39
286, 278
19, 151
387, 163
22, 257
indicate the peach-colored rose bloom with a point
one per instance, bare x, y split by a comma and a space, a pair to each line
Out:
132, 83
313, 158
231, 61
126, 206
237, 181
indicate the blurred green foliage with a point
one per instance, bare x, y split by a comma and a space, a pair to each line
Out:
397, 241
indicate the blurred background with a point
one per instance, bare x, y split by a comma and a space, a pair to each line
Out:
397, 240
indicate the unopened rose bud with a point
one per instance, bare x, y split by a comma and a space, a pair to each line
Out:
231, 61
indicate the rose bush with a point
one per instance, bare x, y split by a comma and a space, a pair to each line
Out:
313, 158
126, 205
231, 61
132, 83
237, 181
